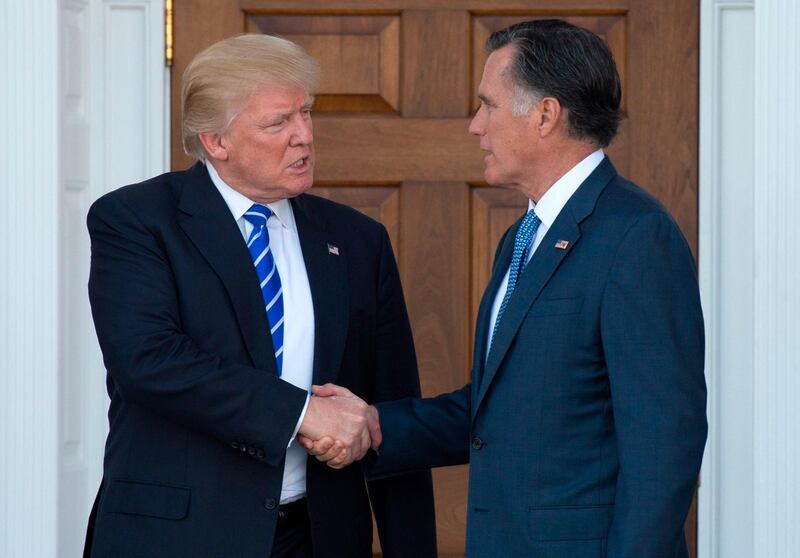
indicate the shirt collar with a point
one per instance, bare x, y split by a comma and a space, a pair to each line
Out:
557, 196
239, 204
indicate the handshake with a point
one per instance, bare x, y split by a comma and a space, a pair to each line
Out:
338, 427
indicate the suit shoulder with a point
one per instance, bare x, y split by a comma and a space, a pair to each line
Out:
627, 202
149, 197
624, 207
629, 195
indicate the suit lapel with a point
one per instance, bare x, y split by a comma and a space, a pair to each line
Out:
485, 308
207, 221
542, 266
327, 277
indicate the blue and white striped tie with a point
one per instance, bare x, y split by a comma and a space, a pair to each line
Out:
268, 276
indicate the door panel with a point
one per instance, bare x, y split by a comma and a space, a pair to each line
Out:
398, 87
360, 57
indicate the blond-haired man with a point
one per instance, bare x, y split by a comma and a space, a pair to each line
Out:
219, 294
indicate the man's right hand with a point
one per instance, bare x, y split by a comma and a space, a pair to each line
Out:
331, 451
339, 420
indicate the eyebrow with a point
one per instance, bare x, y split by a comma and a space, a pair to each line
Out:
271, 118
275, 116
485, 100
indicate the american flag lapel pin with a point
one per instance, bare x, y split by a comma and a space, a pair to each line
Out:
562, 244
333, 249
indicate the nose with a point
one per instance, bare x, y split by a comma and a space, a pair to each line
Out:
303, 132
478, 126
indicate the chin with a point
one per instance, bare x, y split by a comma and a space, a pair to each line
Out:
491, 178
306, 186
302, 187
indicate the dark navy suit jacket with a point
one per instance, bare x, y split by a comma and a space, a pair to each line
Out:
199, 420
585, 427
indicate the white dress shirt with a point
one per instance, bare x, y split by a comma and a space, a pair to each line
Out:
548, 208
298, 311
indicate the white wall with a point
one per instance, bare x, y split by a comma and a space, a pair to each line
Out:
749, 501
84, 108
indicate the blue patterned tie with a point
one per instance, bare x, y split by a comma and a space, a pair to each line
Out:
525, 233
268, 275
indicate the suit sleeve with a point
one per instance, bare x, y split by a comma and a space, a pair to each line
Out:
402, 504
652, 331
154, 365
421, 433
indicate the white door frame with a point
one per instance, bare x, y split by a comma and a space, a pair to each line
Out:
749, 498
84, 110
115, 123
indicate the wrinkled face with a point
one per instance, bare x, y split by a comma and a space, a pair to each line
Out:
509, 140
270, 145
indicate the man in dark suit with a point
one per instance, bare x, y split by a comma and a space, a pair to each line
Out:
219, 294
584, 424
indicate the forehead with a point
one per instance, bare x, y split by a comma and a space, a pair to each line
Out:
276, 99
494, 70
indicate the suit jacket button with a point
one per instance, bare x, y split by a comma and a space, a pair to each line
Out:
270, 503
477, 443
260, 454
235, 445
251, 450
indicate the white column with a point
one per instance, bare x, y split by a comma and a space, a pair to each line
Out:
29, 278
776, 386
749, 499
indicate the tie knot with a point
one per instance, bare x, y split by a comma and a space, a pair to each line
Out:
258, 215
527, 229
530, 220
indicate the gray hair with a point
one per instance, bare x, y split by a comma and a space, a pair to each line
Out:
523, 100
553, 58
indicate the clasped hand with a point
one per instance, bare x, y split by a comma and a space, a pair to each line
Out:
339, 427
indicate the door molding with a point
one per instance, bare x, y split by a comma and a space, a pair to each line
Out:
726, 267
113, 116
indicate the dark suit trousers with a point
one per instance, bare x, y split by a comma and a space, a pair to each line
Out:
293, 532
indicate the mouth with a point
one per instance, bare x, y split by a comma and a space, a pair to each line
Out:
301, 165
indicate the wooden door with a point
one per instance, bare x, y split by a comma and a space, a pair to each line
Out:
398, 88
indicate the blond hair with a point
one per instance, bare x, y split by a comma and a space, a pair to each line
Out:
221, 77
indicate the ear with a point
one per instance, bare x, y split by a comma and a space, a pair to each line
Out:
548, 116
215, 145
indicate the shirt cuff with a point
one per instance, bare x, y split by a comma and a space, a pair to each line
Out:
299, 421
